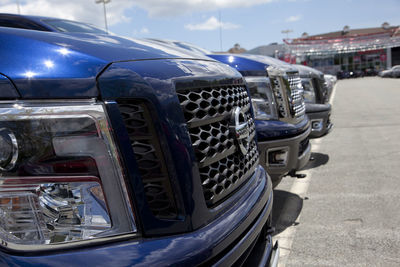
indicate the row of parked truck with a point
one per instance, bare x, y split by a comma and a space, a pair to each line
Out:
145, 152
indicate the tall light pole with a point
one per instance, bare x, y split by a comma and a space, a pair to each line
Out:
287, 33
18, 8
104, 8
220, 30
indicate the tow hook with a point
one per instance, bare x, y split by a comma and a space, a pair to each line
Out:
297, 175
270, 230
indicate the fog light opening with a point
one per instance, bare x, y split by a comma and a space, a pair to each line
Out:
317, 125
277, 157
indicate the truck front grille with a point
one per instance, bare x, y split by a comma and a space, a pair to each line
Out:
149, 158
222, 166
296, 100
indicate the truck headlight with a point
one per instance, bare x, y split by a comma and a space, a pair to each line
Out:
261, 98
60, 177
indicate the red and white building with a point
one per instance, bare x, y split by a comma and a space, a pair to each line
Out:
348, 50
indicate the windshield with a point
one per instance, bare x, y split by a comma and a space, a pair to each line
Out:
73, 26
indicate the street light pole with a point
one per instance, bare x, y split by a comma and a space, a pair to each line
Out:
18, 8
104, 9
287, 32
220, 31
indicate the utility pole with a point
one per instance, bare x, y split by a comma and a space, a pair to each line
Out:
220, 31
287, 32
104, 9
18, 8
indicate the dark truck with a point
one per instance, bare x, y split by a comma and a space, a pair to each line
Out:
281, 124
316, 95
120, 152
276, 96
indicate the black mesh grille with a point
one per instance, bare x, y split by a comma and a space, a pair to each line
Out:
149, 157
223, 168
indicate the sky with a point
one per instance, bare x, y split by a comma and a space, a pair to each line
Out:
210, 23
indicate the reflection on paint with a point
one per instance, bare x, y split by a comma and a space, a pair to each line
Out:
29, 74
49, 64
64, 51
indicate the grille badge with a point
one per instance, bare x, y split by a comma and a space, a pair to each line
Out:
240, 129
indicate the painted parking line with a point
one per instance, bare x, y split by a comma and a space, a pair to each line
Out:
300, 188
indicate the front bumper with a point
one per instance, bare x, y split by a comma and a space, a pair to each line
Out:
299, 152
319, 115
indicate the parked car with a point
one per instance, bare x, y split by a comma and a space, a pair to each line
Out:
316, 94
370, 72
119, 152
356, 74
343, 74
394, 72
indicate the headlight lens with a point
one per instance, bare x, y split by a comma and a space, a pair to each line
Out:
261, 98
60, 178
8, 149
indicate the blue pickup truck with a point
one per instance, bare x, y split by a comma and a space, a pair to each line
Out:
114, 152
277, 98
316, 95
281, 124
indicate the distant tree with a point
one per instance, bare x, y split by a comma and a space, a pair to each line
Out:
345, 30
385, 25
237, 49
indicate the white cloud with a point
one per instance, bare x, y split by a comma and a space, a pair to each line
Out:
144, 30
141, 32
88, 11
162, 8
293, 18
211, 24
85, 11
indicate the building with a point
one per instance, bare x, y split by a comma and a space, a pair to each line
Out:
347, 50
272, 50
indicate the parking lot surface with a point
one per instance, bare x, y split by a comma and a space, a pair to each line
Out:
347, 211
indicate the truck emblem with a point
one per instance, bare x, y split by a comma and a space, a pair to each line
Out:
240, 129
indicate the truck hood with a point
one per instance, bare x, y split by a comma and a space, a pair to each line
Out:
250, 65
308, 72
65, 65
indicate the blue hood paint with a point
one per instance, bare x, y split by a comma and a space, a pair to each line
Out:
251, 65
58, 65
242, 64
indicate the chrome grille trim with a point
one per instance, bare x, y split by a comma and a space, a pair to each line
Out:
222, 167
296, 100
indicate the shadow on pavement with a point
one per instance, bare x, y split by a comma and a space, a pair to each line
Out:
282, 219
319, 160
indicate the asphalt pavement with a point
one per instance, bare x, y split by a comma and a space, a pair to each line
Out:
347, 211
